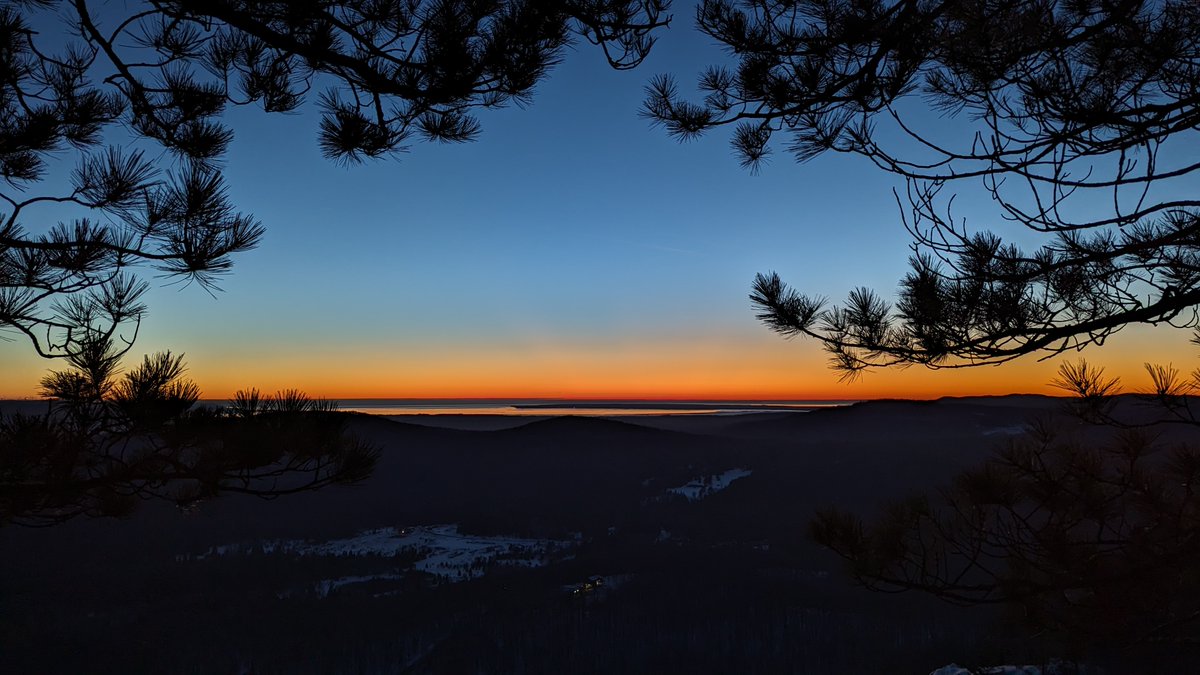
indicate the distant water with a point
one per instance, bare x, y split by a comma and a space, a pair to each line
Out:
533, 407
550, 407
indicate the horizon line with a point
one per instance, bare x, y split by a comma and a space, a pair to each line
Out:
611, 399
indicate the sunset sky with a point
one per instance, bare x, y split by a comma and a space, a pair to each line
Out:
573, 251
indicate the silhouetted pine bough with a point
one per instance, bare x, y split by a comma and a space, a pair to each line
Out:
1094, 541
155, 76
75, 74
106, 443
1076, 120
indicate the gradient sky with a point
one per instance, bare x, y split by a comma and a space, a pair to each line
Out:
573, 251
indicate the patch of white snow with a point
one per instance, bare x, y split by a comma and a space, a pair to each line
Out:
326, 586
702, 487
955, 669
446, 553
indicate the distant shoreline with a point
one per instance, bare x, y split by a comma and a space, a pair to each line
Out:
613, 408
680, 405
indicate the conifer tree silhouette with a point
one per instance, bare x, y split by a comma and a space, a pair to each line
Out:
1076, 119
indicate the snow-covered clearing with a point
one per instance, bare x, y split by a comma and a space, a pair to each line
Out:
699, 488
955, 669
326, 586
453, 554
443, 551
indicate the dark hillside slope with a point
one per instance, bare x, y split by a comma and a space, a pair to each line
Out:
725, 583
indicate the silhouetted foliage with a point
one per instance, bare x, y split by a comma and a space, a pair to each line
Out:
108, 442
77, 74
1076, 118
1093, 539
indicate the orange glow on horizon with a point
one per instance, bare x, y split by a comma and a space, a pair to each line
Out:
737, 368
638, 373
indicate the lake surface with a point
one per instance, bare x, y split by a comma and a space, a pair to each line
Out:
545, 407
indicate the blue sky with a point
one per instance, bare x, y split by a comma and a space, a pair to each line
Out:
571, 227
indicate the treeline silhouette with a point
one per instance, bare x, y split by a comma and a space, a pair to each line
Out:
105, 443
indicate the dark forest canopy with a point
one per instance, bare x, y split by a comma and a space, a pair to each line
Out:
157, 76
1079, 121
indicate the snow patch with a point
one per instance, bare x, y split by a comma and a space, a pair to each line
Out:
1010, 430
458, 556
445, 553
955, 669
326, 586
705, 486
